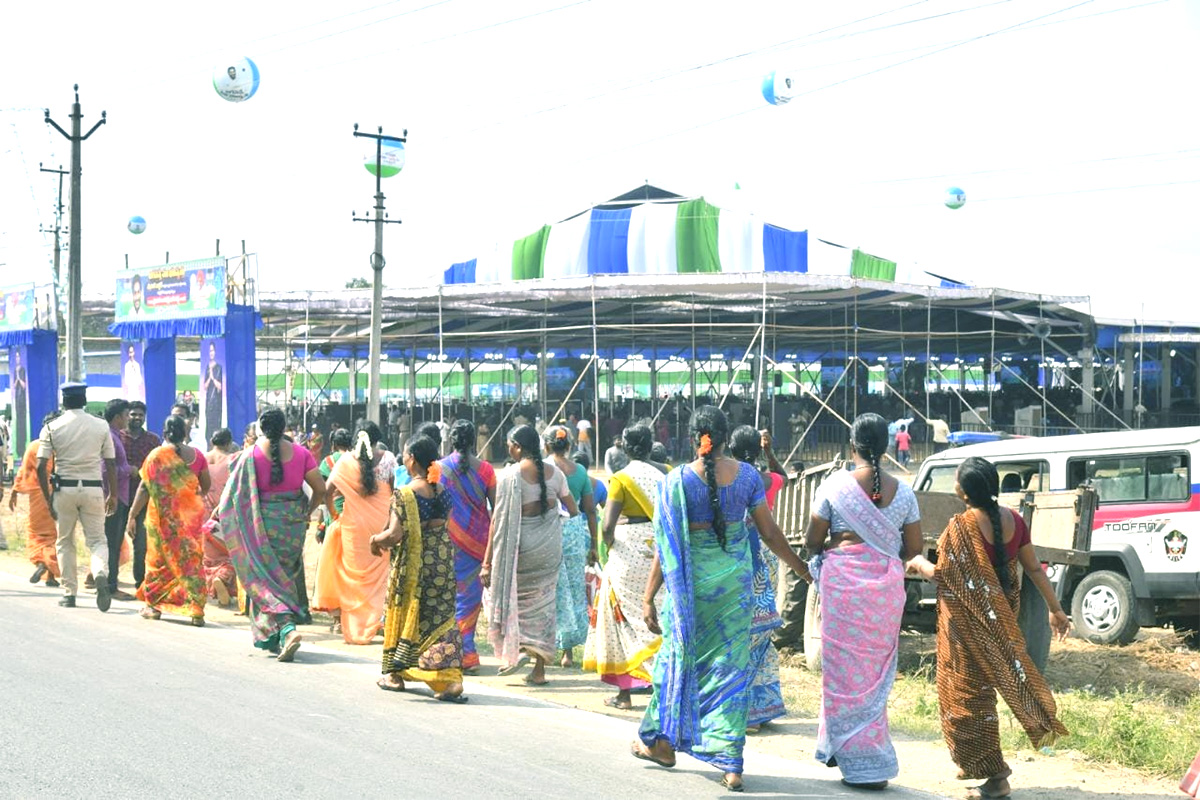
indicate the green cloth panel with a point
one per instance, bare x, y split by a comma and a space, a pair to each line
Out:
696, 237
864, 265
529, 254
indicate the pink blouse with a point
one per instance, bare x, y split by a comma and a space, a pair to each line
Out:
293, 471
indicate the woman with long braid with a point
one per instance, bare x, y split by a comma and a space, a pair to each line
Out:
702, 556
420, 638
578, 549
471, 483
979, 645
766, 696
619, 645
351, 581
264, 516
174, 481
520, 565
856, 531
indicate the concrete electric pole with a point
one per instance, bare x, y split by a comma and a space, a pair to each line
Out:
75, 289
377, 262
57, 230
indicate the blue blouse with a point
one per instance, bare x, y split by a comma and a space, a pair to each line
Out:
737, 499
436, 507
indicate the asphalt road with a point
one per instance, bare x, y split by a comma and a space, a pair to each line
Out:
110, 705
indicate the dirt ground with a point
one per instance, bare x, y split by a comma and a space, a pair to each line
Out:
1156, 661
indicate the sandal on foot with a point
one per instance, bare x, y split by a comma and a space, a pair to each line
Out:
517, 666
529, 679
619, 704
150, 613
874, 786
287, 652
729, 784
198, 622
336, 627
41, 570
984, 793
388, 685
451, 698
639, 750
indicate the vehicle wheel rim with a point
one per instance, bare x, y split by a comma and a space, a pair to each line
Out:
1101, 609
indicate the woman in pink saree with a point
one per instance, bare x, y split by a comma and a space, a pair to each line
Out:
218, 569
855, 531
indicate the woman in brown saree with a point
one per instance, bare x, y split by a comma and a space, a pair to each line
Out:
980, 649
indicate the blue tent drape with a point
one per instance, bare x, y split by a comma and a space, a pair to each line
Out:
240, 368
784, 250
43, 379
158, 365
608, 243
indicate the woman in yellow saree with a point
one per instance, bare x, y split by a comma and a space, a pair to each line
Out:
421, 640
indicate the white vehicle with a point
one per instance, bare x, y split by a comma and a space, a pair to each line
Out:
1144, 566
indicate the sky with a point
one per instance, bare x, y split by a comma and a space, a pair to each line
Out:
1072, 127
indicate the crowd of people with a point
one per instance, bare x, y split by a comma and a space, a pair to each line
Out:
664, 575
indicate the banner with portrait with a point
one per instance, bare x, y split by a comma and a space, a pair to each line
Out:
18, 382
212, 386
133, 375
17, 308
185, 290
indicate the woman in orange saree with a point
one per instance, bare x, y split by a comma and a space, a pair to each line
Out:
980, 648
171, 490
350, 579
41, 529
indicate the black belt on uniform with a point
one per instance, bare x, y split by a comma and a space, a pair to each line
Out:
71, 483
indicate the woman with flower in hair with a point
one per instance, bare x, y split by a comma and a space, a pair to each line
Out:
471, 482
421, 640
524, 552
351, 580
702, 555
578, 547
865, 524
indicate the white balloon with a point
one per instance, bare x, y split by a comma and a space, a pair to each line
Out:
237, 80
137, 225
955, 198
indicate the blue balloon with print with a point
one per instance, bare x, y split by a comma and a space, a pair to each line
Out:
390, 157
236, 80
137, 225
777, 88
955, 198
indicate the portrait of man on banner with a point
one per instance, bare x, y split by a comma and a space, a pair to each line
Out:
212, 383
133, 379
18, 379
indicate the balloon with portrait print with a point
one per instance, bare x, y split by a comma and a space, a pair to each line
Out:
236, 80
137, 225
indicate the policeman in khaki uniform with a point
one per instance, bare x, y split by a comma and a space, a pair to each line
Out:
79, 443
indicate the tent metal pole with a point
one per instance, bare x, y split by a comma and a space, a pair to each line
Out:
991, 370
928, 351
954, 389
857, 359
1045, 400
695, 362
304, 415
762, 353
813, 421
733, 370
441, 362
596, 450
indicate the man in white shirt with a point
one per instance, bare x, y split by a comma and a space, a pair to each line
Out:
941, 434
79, 444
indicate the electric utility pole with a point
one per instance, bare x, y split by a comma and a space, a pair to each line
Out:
75, 289
57, 230
377, 262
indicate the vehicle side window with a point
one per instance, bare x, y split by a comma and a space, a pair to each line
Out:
940, 479
1129, 479
1021, 476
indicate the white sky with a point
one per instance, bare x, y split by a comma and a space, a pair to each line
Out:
527, 111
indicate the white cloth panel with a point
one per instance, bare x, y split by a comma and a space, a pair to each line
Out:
652, 239
827, 259
740, 242
567, 248
494, 264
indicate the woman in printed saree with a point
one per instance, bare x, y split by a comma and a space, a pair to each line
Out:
421, 640
578, 547
471, 483
524, 552
42, 531
702, 555
264, 516
855, 531
174, 481
766, 697
351, 580
619, 645
219, 578
980, 649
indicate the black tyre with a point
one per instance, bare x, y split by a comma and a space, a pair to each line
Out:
812, 629
1104, 608
1034, 621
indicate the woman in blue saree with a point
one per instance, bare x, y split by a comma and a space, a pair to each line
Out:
702, 671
